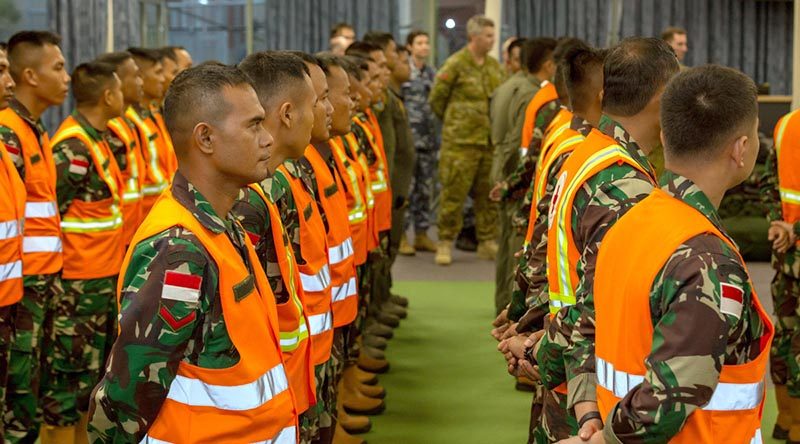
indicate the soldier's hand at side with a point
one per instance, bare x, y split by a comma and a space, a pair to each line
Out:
510, 332
498, 332
496, 194
533, 339
597, 438
525, 368
516, 346
780, 236
501, 319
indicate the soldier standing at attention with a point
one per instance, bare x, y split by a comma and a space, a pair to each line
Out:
198, 331
780, 193
682, 340
37, 67
507, 112
89, 189
426, 144
460, 97
12, 213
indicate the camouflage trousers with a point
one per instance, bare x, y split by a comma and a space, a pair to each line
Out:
550, 419
33, 322
380, 273
84, 327
6, 337
785, 352
509, 242
423, 189
364, 275
464, 171
316, 422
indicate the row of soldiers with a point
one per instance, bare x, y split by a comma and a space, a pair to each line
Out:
199, 254
631, 309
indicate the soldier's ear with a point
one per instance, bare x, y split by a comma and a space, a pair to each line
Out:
203, 136
285, 114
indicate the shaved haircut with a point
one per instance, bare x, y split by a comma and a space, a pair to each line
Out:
580, 66
274, 73
363, 50
196, 95
355, 66
115, 58
22, 50
145, 54
90, 81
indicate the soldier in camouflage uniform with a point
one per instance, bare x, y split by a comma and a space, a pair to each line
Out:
460, 97
785, 357
160, 330
704, 311
423, 132
31, 50
84, 319
565, 352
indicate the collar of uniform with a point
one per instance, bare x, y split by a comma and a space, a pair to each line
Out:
23, 112
580, 125
684, 189
93, 132
191, 198
532, 78
142, 111
612, 128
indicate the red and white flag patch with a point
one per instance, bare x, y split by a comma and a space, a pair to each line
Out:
78, 166
254, 238
182, 287
14, 152
732, 300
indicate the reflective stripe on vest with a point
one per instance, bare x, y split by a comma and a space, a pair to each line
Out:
9, 229
318, 324
11, 270
41, 244
565, 296
196, 393
290, 340
40, 209
340, 252
791, 196
726, 397
340, 293
132, 191
316, 282
153, 163
358, 213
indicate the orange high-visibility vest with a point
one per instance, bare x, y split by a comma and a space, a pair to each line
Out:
356, 155
251, 401
132, 177
379, 178
41, 244
546, 94
355, 196
558, 140
292, 321
157, 177
170, 160
341, 255
631, 255
597, 152
315, 275
92, 231
787, 147
12, 216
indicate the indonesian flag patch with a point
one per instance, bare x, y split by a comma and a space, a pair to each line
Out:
14, 152
732, 298
78, 166
181, 287
254, 238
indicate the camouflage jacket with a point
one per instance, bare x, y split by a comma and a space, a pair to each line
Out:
73, 179
568, 345
507, 114
420, 116
12, 141
531, 274
521, 178
789, 262
158, 333
692, 338
460, 97
401, 163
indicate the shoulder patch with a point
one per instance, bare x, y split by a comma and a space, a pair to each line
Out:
331, 190
244, 288
182, 287
731, 300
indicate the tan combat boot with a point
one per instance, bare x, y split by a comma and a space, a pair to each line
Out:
350, 380
363, 376
794, 430
370, 364
487, 250
57, 434
81, 429
340, 436
443, 256
784, 421
405, 248
423, 243
354, 401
